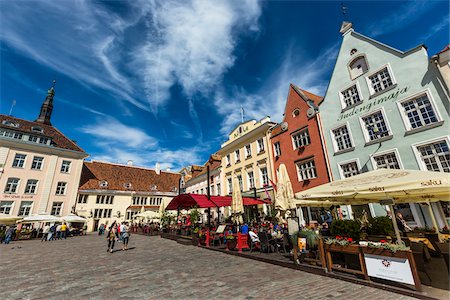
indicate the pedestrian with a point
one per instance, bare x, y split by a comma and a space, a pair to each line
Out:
9, 234
125, 236
45, 232
51, 232
64, 230
111, 237
58, 232
84, 229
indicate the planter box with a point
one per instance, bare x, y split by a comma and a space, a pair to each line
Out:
231, 244
351, 248
384, 252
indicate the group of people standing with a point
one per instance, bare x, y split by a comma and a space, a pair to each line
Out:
54, 232
119, 232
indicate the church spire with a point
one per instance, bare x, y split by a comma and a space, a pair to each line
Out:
47, 107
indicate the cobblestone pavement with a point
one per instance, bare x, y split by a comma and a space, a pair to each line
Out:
80, 268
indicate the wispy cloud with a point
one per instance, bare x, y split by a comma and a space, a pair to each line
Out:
408, 13
117, 142
443, 24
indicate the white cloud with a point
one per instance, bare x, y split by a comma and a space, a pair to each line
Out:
444, 23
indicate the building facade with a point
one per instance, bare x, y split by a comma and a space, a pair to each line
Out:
385, 108
40, 167
112, 192
297, 143
247, 154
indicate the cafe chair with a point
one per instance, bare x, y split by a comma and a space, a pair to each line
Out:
417, 250
445, 250
266, 247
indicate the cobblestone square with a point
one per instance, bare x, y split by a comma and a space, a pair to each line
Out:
155, 268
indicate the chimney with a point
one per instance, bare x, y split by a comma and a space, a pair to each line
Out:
129, 163
157, 169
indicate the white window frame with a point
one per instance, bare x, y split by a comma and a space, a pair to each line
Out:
60, 208
297, 133
394, 150
365, 131
11, 208
251, 179
23, 162
341, 97
416, 152
248, 150
237, 155
369, 82
260, 149
65, 169
300, 162
218, 186
63, 187
17, 186
230, 184
30, 210
228, 158
35, 188
352, 77
277, 149
341, 171
261, 177
333, 138
41, 163
405, 118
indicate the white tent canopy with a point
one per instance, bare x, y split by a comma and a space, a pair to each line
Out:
41, 218
74, 219
399, 185
148, 214
8, 220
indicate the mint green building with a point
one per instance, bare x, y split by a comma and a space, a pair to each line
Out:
385, 108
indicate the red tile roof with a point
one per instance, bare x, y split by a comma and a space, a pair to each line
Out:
59, 140
214, 162
117, 176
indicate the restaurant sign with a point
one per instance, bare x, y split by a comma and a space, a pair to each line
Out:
389, 268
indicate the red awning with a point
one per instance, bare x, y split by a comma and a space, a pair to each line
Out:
201, 201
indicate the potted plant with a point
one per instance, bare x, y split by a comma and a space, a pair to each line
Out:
195, 236
231, 242
379, 228
347, 229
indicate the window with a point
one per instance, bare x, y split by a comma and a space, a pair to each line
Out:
218, 189
31, 186
19, 160
82, 198
12, 185
65, 166
241, 186
295, 112
6, 207
342, 138
251, 179
260, 145
56, 208
435, 156
230, 185
248, 150
61, 188
358, 67
301, 139
43, 140
264, 176
211, 189
419, 112
10, 134
350, 96
33, 138
136, 200
306, 170
375, 126
349, 169
387, 161
380, 81
277, 149
103, 184
37, 163
237, 155
25, 208
228, 160
37, 129
201, 191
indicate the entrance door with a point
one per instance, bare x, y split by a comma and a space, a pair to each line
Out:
95, 225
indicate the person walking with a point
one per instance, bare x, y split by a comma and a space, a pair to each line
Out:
8, 234
45, 232
51, 232
64, 231
58, 232
111, 237
125, 236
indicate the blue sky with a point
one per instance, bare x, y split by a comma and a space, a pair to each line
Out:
163, 81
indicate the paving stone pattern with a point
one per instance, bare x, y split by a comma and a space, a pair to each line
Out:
80, 268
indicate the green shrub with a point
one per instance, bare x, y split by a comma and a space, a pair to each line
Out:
346, 228
380, 226
312, 238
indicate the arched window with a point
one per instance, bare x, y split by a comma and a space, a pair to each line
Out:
358, 66
295, 112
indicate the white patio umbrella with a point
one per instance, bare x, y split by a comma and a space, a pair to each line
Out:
74, 219
40, 218
237, 204
284, 198
149, 214
8, 219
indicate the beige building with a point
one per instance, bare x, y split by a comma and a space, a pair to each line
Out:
40, 167
442, 62
113, 192
247, 154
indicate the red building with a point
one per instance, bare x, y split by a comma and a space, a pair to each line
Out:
297, 141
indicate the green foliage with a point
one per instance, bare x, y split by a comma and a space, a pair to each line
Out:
388, 246
340, 242
166, 219
380, 226
346, 228
194, 214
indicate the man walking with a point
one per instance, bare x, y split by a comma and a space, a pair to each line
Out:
64, 230
9, 234
45, 232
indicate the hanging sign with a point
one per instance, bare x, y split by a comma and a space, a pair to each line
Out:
389, 268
